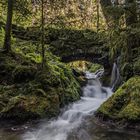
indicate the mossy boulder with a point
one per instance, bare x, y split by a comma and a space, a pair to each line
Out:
27, 92
13, 65
124, 104
30, 106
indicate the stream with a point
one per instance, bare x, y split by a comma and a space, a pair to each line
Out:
75, 122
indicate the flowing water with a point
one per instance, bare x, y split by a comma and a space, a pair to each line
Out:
93, 95
76, 122
115, 77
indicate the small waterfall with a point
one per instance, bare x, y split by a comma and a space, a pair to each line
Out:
74, 115
115, 77
113, 2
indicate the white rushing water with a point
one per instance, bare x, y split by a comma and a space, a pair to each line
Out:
115, 77
70, 119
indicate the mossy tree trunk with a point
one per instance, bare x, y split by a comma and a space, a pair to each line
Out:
8, 27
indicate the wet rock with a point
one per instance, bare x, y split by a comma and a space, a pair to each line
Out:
124, 105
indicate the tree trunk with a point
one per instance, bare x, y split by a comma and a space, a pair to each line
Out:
98, 15
42, 37
8, 27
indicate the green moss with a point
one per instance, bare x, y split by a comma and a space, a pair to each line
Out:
125, 102
31, 93
136, 67
126, 45
23, 73
127, 70
130, 112
95, 67
24, 106
64, 41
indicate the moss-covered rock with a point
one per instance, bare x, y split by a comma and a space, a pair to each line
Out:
124, 104
28, 92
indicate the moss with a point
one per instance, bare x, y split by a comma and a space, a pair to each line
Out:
47, 79
64, 41
25, 106
23, 73
95, 67
125, 102
37, 103
127, 70
130, 112
33, 93
125, 47
6, 68
136, 67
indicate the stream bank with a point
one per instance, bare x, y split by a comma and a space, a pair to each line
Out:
122, 109
75, 122
28, 92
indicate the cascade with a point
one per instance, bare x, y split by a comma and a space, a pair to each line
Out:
113, 2
74, 115
115, 77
